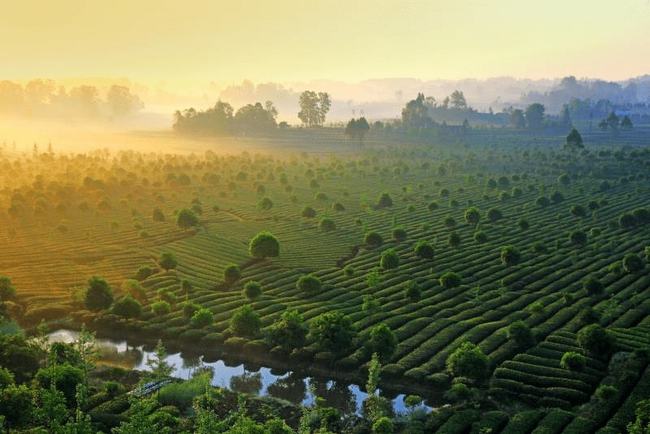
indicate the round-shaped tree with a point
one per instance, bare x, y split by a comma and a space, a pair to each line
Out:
373, 239
573, 361
494, 215
231, 274
384, 201
127, 307
327, 224
520, 333
308, 212
424, 249
592, 285
412, 291
596, 340
468, 361
7, 289
332, 331
449, 280
399, 234
381, 340
186, 218
480, 237
308, 283
454, 240
252, 290
202, 317
578, 238
245, 322
389, 260
632, 263
510, 256
167, 261
289, 331
472, 216
264, 245
99, 294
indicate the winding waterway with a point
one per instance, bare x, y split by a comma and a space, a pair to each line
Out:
292, 386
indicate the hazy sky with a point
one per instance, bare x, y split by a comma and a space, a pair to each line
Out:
290, 40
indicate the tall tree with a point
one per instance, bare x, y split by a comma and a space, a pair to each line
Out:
457, 100
535, 116
313, 107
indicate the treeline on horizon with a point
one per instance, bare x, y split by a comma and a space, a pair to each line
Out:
45, 98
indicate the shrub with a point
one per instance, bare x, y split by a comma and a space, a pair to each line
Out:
520, 333
349, 270
338, 206
543, 201
383, 425
231, 274
99, 294
626, 221
632, 263
573, 361
245, 322
467, 360
189, 309
161, 307
454, 240
510, 256
373, 239
381, 341
65, 379
592, 285
578, 238
412, 291
523, 224
7, 289
289, 332
605, 392
158, 215
264, 245
480, 237
332, 331
494, 215
596, 340
265, 204
424, 249
143, 272
252, 290
449, 222
557, 197
433, 206
578, 211
399, 234
127, 307
384, 201
327, 224
181, 395
472, 216
449, 280
308, 283
186, 219
202, 317
167, 261
389, 260
308, 212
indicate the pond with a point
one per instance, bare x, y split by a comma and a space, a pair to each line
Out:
292, 386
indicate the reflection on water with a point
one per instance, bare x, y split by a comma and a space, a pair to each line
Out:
291, 386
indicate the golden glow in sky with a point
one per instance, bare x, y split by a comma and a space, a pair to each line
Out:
287, 40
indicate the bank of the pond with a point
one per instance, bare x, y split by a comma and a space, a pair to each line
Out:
299, 385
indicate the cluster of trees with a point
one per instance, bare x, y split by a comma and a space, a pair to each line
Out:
531, 118
223, 120
357, 129
612, 122
46, 98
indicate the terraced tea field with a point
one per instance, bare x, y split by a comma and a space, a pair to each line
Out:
69, 217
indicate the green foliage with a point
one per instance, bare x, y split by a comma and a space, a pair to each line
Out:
412, 291
202, 317
373, 239
289, 331
472, 216
231, 274
309, 283
327, 224
596, 340
65, 379
573, 361
252, 289
450, 280
510, 256
264, 245
127, 307
167, 261
381, 341
592, 285
161, 307
632, 263
520, 333
7, 289
384, 201
468, 361
245, 322
424, 249
99, 294
389, 260
186, 219
332, 331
